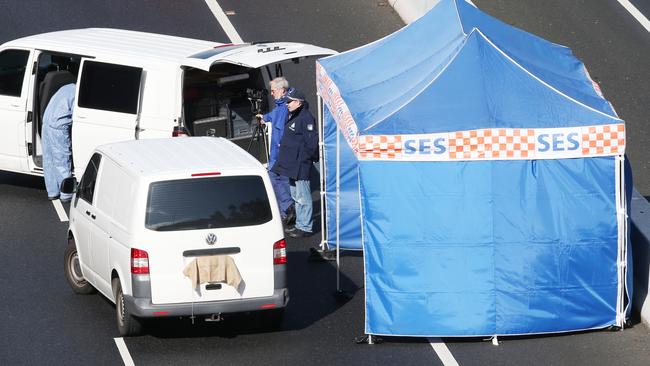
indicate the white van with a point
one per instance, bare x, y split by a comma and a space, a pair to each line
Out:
132, 85
146, 212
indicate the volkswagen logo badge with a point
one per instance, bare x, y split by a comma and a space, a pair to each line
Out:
211, 239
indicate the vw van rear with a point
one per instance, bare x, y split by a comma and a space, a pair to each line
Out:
177, 227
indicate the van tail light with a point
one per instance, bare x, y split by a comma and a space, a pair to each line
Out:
280, 252
139, 261
180, 131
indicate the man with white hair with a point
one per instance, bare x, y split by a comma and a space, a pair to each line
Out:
278, 117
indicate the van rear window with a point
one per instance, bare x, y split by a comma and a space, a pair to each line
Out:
206, 203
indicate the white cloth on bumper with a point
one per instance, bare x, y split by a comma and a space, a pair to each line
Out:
214, 268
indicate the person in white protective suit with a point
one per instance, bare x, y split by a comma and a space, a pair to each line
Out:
56, 140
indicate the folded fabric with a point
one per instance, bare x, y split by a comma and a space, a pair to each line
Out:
215, 268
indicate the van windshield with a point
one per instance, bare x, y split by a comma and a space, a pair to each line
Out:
206, 203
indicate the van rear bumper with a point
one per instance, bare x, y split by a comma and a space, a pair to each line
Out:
142, 307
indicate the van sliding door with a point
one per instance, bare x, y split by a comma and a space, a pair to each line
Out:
107, 107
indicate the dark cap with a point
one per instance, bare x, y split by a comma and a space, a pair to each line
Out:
295, 94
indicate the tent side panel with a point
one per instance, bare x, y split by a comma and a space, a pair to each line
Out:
483, 248
428, 248
350, 223
556, 236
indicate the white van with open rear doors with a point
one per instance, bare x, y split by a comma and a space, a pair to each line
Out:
133, 85
177, 227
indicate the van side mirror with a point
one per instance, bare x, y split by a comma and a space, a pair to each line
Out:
69, 185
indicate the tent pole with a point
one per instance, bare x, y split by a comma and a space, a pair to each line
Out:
621, 213
338, 207
321, 133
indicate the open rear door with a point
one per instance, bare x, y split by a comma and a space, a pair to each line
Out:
254, 55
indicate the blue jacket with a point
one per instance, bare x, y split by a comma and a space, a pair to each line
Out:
299, 145
277, 117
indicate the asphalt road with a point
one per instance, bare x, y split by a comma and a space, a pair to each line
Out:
43, 322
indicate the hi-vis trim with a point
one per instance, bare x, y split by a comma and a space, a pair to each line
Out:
497, 144
332, 98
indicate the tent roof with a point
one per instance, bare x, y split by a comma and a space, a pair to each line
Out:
457, 68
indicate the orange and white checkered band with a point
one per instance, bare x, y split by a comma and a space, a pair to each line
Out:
339, 110
497, 144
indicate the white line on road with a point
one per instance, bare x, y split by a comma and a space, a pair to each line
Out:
60, 210
223, 20
443, 352
636, 14
124, 352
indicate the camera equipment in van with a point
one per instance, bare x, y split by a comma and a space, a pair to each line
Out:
255, 97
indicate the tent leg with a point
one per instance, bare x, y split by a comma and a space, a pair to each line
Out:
340, 295
319, 255
368, 339
495, 341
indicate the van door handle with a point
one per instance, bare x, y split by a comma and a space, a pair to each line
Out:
88, 213
92, 217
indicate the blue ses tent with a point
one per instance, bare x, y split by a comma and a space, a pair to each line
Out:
482, 172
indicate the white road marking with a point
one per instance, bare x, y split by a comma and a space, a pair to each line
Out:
636, 14
443, 352
60, 210
223, 20
124, 352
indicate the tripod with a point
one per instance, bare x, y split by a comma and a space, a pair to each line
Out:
259, 131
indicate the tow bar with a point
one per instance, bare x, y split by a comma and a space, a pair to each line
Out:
214, 318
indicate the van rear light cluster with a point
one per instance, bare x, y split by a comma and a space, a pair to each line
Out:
280, 252
139, 261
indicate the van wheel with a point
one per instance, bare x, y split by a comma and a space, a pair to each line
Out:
127, 324
72, 268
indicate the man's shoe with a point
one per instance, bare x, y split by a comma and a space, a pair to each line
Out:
289, 229
53, 198
297, 233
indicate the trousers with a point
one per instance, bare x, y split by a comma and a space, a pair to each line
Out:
301, 194
282, 192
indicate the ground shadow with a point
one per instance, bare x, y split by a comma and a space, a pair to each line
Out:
312, 297
21, 180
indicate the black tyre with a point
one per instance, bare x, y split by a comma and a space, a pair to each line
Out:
127, 324
72, 268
